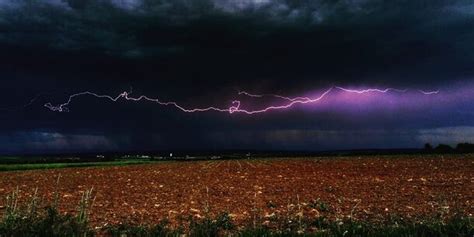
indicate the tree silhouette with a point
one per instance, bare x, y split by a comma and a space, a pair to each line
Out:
443, 148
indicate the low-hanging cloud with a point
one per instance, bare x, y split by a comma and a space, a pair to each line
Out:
447, 135
317, 139
36, 141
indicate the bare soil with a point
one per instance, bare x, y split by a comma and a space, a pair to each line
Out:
367, 188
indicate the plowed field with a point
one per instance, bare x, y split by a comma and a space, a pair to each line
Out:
369, 188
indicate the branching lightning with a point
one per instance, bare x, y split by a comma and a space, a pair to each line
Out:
235, 107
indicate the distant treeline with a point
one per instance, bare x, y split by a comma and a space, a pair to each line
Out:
443, 148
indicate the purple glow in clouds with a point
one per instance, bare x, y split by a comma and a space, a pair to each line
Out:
236, 106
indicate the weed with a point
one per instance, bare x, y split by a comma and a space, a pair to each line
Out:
31, 220
211, 227
161, 229
319, 205
84, 205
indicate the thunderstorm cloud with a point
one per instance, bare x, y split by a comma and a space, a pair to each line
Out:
200, 52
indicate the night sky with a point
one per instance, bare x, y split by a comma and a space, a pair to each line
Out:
201, 53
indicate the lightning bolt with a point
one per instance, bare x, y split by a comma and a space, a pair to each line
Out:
371, 90
235, 106
272, 95
293, 101
428, 92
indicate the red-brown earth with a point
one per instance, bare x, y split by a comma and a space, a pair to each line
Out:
371, 188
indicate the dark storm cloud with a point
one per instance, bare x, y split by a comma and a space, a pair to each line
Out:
275, 139
305, 39
199, 51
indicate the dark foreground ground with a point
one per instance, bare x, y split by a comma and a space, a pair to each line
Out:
372, 189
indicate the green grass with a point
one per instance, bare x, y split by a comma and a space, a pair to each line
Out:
15, 167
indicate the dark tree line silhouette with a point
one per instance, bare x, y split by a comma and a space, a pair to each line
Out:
443, 148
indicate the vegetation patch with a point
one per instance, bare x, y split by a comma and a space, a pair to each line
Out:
39, 166
32, 220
